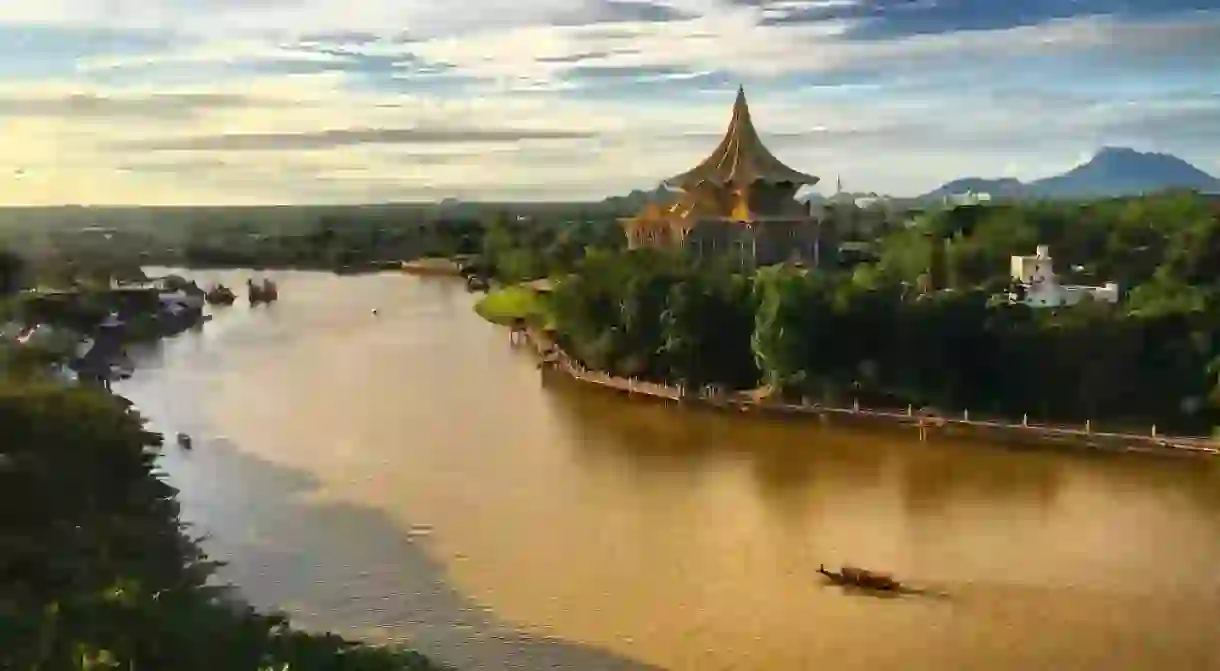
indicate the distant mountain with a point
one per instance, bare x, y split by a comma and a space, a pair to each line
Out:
1112, 172
1117, 171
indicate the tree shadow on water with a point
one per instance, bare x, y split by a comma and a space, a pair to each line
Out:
784, 454
346, 568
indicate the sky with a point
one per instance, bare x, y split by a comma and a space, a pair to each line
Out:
336, 101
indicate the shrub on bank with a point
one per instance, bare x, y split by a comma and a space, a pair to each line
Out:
506, 305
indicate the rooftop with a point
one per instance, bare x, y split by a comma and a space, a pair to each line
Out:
741, 158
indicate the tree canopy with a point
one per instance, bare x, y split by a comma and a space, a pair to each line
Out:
928, 323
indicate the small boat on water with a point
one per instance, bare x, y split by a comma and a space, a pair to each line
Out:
270, 291
184, 441
476, 283
220, 295
850, 576
264, 292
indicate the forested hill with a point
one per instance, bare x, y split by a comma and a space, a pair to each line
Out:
1111, 172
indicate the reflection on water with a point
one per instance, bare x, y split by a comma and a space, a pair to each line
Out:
685, 539
342, 565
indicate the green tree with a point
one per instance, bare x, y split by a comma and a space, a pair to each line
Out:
779, 333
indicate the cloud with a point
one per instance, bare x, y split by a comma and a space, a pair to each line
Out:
178, 106
1183, 122
175, 167
735, 42
890, 19
33, 52
346, 137
323, 100
619, 11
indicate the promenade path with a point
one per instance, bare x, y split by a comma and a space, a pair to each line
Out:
1153, 442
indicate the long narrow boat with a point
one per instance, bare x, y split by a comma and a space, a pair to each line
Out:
857, 577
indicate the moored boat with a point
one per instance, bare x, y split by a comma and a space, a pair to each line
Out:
220, 295
476, 283
263, 292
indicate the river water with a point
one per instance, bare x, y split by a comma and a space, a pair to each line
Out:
408, 475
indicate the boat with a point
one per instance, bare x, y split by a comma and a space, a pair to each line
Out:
264, 292
850, 576
476, 283
220, 295
184, 441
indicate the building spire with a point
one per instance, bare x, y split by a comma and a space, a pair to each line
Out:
741, 158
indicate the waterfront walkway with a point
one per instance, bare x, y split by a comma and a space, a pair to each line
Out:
1076, 435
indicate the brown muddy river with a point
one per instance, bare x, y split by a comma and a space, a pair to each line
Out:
408, 476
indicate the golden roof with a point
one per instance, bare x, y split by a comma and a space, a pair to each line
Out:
694, 204
700, 202
741, 158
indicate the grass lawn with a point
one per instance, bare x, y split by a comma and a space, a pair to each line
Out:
506, 304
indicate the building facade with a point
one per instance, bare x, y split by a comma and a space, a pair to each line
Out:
966, 199
738, 202
1035, 275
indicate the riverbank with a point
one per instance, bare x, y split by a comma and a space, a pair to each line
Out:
130, 589
513, 304
432, 267
927, 425
134, 590
428, 266
89, 329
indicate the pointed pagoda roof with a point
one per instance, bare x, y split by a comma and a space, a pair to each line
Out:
741, 158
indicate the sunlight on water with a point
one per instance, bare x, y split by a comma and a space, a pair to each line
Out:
409, 476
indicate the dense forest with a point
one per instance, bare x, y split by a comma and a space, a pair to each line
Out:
327, 238
929, 322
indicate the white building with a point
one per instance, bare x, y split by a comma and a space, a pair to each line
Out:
1036, 274
968, 198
